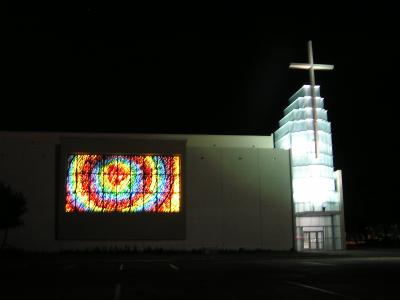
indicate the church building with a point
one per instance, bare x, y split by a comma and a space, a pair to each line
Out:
178, 191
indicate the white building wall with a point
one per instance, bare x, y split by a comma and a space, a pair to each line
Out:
237, 193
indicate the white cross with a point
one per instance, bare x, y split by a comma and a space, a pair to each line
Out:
312, 67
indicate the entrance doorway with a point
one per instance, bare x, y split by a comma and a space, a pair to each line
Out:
313, 240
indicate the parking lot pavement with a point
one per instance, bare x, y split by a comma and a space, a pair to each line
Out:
344, 275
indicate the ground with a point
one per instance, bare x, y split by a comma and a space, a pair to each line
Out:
351, 274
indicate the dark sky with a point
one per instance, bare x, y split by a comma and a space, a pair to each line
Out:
220, 69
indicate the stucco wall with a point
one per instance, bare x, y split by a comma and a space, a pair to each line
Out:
237, 193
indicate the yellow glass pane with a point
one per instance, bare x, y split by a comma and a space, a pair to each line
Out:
175, 203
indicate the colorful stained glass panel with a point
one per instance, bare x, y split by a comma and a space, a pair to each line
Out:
123, 183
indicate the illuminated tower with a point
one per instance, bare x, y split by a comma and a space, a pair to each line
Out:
317, 188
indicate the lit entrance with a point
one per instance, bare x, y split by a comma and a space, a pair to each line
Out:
313, 240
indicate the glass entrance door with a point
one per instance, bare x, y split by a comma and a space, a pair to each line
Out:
313, 240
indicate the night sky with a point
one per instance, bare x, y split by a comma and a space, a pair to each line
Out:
220, 69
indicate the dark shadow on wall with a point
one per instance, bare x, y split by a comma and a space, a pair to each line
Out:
13, 205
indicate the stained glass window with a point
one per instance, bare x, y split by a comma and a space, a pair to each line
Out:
123, 183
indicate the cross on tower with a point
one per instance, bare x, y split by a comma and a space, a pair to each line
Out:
312, 67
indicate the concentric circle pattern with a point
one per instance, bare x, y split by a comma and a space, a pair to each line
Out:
123, 183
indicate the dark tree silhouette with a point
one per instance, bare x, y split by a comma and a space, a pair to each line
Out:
12, 206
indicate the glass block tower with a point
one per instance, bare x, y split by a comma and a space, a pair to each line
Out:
317, 193
317, 188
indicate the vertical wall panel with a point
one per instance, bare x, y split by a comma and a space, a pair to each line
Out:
240, 198
203, 193
276, 199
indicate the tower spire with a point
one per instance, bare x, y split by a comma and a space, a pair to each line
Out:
312, 67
